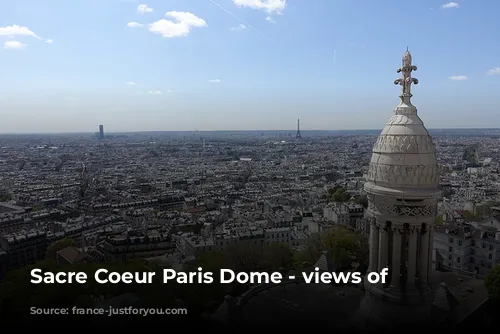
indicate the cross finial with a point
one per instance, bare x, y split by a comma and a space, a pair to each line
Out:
406, 80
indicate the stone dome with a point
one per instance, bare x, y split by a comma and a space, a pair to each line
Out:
404, 156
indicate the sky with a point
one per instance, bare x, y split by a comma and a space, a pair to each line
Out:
70, 65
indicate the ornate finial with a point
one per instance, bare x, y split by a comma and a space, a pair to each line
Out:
406, 79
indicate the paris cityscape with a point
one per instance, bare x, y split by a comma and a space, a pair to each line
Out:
169, 198
414, 200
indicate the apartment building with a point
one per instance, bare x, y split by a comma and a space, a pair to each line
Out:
344, 214
468, 247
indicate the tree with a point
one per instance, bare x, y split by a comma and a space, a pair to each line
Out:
310, 254
57, 246
483, 211
244, 256
468, 216
439, 220
17, 291
20, 294
241, 257
340, 195
277, 256
5, 198
363, 200
492, 283
37, 208
341, 245
199, 295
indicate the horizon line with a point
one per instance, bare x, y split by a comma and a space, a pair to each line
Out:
254, 130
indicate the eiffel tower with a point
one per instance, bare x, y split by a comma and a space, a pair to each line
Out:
298, 136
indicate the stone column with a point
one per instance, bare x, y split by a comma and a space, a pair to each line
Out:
412, 257
424, 255
396, 257
430, 246
373, 247
382, 248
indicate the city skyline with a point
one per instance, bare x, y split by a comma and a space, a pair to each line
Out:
310, 133
242, 65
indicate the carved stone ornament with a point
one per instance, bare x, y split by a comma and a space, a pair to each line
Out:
404, 144
397, 229
412, 229
403, 175
401, 210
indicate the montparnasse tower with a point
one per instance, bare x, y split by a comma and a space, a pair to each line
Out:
402, 190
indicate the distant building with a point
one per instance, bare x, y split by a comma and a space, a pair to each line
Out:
7, 209
468, 247
101, 131
70, 255
23, 249
345, 214
190, 244
134, 245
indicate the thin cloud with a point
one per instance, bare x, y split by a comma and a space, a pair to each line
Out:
134, 25
494, 71
49, 41
143, 9
270, 19
242, 21
458, 78
13, 45
180, 25
15, 30
155, 92
131, 83
239, 27
270, 6
214, 80
450, 5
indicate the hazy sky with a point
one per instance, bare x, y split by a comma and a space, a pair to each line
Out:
69, 65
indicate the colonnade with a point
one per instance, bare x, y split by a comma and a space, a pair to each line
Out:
403, 248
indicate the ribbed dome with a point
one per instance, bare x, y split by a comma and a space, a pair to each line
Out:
404, 156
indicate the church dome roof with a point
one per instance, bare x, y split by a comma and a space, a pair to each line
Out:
404, 155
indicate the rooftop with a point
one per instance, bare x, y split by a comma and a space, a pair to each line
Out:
470, 293
7, 207
301, 303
